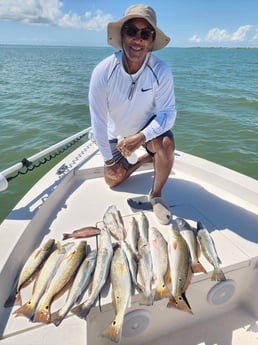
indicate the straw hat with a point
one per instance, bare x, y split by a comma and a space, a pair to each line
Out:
136, 11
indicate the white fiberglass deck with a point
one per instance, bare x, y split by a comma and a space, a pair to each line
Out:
224, 201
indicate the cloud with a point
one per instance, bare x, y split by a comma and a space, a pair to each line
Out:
245, 34
50, 12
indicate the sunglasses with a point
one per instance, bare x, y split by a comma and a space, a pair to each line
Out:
132, 31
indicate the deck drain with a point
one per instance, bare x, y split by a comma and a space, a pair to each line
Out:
221, 292
136, 322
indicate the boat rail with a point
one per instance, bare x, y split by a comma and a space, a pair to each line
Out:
27, 162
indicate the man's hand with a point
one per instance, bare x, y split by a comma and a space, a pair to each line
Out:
131, 143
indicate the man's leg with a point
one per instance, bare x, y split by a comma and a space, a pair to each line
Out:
118, 173
163, 149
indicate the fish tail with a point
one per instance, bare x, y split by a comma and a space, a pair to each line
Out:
56, 318
113, 332
13, 299
27, 310
81, 311
146, 300
218, 275
42, 316
161, 292
66, 236
197, 267
180, 303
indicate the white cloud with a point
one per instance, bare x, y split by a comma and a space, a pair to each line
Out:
195, 38
50, 12
241, 33
245, 34
218, 35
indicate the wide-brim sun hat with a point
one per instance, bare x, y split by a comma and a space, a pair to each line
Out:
136, 11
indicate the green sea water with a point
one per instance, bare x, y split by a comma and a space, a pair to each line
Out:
43, 99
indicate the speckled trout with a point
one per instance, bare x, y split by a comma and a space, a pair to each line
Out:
66, 271
190, 237
121, 294
209, 251
180, 270
31, 266
80, 284
46, 273
104, 256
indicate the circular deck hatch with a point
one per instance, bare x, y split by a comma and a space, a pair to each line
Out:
221, 292
136, 322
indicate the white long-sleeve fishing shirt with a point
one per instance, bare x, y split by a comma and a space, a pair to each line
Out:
114, 115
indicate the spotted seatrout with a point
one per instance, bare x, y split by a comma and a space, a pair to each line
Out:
66, 271
80, 284
112, 219
45, 275
104, 256
190, 237
31, 266
209, 251
121, 294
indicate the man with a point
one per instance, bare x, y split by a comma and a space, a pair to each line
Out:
131, 98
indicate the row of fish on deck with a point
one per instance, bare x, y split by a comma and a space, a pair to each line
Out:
141, 258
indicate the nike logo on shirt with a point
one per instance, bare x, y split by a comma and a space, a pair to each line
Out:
144, 90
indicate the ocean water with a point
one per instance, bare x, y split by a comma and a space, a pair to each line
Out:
43, 99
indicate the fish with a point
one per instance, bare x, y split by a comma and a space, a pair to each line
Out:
80, 284
132, 263
88, 231
66, 271
159, 254
144, 275
46, 273
30, 268
121, 294
143, 225
104, 257
180, 270
190, 237
112, 220
209, 252
133, 234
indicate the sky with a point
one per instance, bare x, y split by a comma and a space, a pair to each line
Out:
189, 23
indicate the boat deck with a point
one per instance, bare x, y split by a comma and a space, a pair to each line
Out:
197, 190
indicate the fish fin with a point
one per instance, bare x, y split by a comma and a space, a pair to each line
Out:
42, 315
81, 311
180, 303
139, 288
146, 300
113, 332
197, 267
56, 319
218, 275
198, 249
167, 277
18, 299
26, 310
188, 279
161, 291
13, 299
